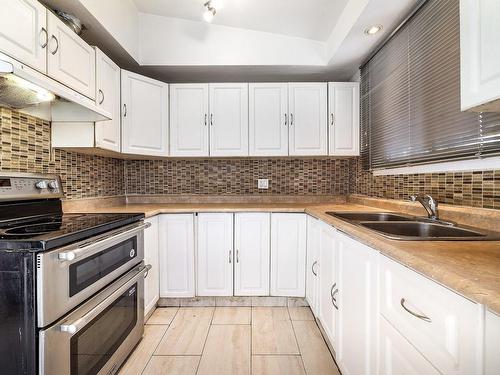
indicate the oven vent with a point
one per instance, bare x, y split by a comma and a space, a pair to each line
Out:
38, 262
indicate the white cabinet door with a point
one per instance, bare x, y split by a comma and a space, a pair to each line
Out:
71, 60
357, 275
23, 32
108, 133
268, 119
189, 119
229, 119
176, 255
288, 254
215, 254
308, 118
252, 246
480, 54
343, 110
327, 282
492, 352
144, 115
398, 357
312, 266
151, 256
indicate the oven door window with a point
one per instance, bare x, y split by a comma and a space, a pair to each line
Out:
93, 346
89, 270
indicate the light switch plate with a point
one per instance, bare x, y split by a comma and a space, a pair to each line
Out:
263, 183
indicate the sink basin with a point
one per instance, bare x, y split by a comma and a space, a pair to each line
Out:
370, 216
415, 230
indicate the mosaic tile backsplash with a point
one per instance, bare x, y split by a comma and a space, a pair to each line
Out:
25, 147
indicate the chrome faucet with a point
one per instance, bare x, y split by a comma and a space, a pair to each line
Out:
429, 203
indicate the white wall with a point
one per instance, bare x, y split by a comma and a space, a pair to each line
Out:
175, 41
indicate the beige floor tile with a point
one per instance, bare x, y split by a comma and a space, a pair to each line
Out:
277, 365
272, 331
161, 365
187, 333
142, 353
162, 315
227, 351
315, 354
300, 313
232, 315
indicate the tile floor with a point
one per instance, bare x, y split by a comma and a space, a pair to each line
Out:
232, 341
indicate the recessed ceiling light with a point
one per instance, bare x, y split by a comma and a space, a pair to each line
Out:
372, 30
211, 9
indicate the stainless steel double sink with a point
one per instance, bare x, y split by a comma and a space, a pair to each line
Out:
410, 228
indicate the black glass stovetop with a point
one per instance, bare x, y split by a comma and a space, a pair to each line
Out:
49, 231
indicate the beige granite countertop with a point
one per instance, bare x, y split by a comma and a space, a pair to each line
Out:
470, 268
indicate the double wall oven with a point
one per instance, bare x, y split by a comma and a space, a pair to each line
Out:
73, 301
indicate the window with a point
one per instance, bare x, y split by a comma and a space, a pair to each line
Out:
410, 96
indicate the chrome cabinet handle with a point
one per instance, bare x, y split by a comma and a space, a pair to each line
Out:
286, 120
44, 31
101, 94
425, 318
312, 268
57, 45
211, 119
206, 121
230, 255
291, 118
331, 289
237, 256
332, 119
333, 294
124, 110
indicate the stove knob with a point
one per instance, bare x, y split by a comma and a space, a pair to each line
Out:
53, 185
40, 185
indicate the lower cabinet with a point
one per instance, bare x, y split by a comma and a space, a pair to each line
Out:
288, 254
252, 233
357, 316
215, 254
492, 353
151, 256
176, 233
312, 264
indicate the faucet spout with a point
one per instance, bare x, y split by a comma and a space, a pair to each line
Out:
429, 203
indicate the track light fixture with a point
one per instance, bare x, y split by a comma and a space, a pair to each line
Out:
211, 9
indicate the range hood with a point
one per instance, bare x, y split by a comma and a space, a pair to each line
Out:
27, 90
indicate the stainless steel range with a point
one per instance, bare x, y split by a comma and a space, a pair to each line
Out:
71, 285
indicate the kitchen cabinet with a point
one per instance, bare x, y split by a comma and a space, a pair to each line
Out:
23, 32
307, 103
70, 60
151, 256
215, 254
144, 115
312, 263
479, 55
252, 233
492, 331
343, 111
268, 119
398, 356
440, 324
228, 119
177, 271
189, 119
288, 254
327, 282
108, 133
357, 316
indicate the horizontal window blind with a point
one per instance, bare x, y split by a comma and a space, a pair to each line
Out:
410, 96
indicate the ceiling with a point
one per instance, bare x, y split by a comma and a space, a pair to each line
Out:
310, 19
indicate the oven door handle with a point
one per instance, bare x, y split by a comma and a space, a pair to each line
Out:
77, 252
73, 327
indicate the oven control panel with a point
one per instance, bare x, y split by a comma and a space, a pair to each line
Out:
22, 186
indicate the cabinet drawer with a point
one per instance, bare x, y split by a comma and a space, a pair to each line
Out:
441, 324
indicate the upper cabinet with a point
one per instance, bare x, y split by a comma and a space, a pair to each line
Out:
229, 119
108, 133
308, 119
480, 54
189, 120
144, 115
343, 120
70, 60
268, 119
23, 32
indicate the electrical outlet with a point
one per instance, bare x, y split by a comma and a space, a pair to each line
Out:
263, 183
